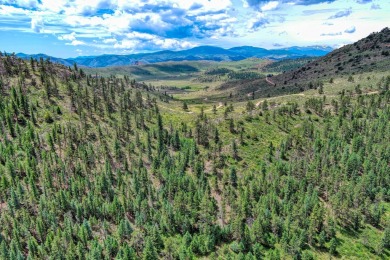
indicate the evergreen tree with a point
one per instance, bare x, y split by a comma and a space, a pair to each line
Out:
149, 252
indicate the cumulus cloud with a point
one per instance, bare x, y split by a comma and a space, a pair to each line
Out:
8, 10
213, 25
76, 43
340, 14
37, 24
270, 6
68, 37
71, 39
140, 36
21, 3
138, 42
169, 24
351, 29
257, 22
55, 6
258, 4
126, 44
109, 41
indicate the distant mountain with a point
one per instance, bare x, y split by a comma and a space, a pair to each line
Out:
44, 56
313, 51
198, 53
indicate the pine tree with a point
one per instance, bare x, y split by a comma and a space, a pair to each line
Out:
333, 246
14, 200
185, 106
149, 252
250, 106
3, 250
234, 150
264, 106
233, 177
124, 229
386, 237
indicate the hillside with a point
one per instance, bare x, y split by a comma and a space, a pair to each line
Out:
94, 167
208, 53
190, 73
287, 65
369, 54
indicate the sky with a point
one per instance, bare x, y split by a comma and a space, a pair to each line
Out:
70, 28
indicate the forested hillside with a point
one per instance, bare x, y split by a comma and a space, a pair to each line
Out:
96, 168
370, 54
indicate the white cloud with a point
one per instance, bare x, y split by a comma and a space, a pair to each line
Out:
76, 43
8, 10
137, 42
90, 7
203, 5
257, 22
172, 44
126, 44
140, 36
210, 5
68, 37
55, 6
109, 41
26, 3
37, 24
270, 6
351, 29
80, 21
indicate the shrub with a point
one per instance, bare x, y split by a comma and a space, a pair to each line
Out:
48, 118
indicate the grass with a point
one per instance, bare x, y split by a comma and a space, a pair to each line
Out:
357, 245
182, 75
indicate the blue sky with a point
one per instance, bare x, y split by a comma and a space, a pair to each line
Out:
69, 28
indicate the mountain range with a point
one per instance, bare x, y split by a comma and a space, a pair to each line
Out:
198, 53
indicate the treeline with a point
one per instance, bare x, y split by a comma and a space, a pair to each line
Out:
239, 75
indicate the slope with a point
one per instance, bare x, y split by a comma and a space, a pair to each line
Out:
369, 54
108, 168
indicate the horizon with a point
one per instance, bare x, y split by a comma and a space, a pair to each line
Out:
70, 29
152, 52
